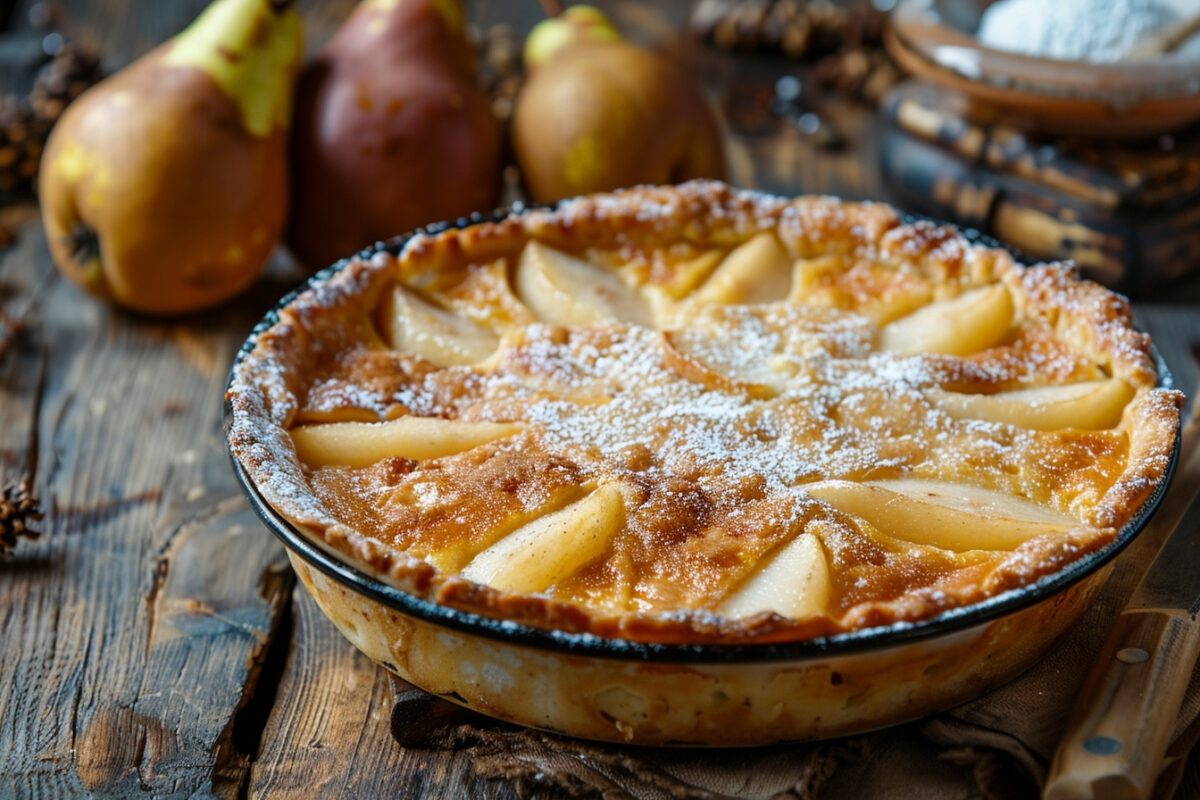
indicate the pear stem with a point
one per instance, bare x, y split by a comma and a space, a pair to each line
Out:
551, 8
281, 5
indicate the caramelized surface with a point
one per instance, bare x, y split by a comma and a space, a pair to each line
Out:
668, 404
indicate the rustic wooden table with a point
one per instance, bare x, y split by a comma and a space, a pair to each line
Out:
153, 640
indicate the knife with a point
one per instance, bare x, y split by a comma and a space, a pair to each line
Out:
1125, 715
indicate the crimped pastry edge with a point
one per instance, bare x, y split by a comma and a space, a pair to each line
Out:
262, 402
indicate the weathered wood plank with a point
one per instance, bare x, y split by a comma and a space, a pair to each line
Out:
134, 628
329, 734
134, 631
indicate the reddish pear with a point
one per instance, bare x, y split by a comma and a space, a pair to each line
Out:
391, 131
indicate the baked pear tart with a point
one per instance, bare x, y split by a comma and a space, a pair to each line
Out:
701, 415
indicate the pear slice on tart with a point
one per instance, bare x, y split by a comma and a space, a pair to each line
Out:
677, 359
870, 290
565, 290
952, 516
757, 271
687, 275
545, 551
1087, 405
360, 444
812, 275
486, 297
794, 582
456, 554
415, 325
888, 307
962, 325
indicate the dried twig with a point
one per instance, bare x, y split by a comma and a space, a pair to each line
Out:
19, 506
10, 329
13, 325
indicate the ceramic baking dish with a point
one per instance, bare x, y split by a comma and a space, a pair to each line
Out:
664, 694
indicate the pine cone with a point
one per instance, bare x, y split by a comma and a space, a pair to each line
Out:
708, 14
71, 72
18, 508
22, 136
864, 74
844, 40
801, 28
25, 124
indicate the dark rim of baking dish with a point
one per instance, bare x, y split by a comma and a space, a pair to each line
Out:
591, 645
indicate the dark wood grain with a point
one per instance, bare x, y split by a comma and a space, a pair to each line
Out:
329, 733
135, 626
136, 629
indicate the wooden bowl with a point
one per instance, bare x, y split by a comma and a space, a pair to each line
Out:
934, 40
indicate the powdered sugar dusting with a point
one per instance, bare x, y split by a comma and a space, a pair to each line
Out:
764, 395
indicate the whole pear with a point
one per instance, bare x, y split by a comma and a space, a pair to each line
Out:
164, 188
599, 114
391, 130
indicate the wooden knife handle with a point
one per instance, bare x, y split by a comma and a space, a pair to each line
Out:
1126, 711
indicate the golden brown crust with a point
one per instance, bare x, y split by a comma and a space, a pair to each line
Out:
323, 360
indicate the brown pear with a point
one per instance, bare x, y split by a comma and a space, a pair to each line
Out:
600, 115
164, 188
391, 130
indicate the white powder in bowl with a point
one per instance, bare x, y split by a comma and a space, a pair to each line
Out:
1091, 30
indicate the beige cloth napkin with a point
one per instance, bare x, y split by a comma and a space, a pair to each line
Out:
997, 746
